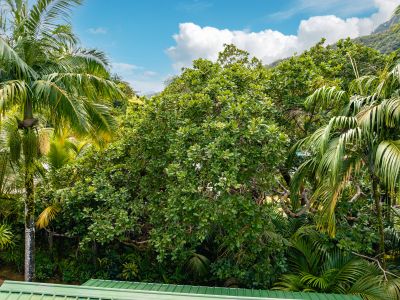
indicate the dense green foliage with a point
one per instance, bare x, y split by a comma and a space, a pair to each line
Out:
236, 174
186, 180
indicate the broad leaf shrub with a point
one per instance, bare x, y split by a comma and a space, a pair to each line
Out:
187, 178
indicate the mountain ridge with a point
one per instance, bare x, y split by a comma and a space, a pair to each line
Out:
385, 38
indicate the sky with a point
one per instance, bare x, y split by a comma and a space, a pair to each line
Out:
148, 41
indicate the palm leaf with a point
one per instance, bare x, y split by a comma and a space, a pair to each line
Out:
47, 215
61, 104
92, 61
370, 288
387, 162
86, 84
5, 236
11, 92
45, 13
198, 265
325, 97
58, 156
8, 55
4, 161
397, 11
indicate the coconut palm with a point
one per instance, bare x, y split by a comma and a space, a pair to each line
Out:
50, 82
364, 139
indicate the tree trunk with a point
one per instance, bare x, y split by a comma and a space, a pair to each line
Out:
378, 206
94, 253
29, 223
50, 238
29, 156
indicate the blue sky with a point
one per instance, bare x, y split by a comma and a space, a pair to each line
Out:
149, 41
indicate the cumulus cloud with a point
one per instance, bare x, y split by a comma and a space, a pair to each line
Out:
124, 69
98, 30
194, 41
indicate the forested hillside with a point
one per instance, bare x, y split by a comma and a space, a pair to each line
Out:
386, 37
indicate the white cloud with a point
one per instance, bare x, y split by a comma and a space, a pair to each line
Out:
143, 81
386, 8
146, 87
124, 69
194, 41
149, 73
332, 28
98, 30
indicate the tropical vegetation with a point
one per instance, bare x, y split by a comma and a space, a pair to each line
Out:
236, 174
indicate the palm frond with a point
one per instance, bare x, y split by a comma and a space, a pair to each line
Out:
307, 168
91, 60
8, 55
6, 236
370, 288
304, 258
357, 102
387, 162
58, 156
47, 215
393, 288
392, 238
325, 97
371, 118
198, 265
63, 35
290, 282
4, 161
44, 14
334, 271
11, 92
397, 11
85, 84
391, 111
320, 283
100, 117
61, 104
364, 85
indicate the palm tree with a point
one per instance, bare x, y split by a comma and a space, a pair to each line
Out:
364, 139
314, 268
45, 76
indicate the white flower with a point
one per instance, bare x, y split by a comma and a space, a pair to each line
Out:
197, 166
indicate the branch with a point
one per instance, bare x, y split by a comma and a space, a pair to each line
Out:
58, 234
304, 194
378, 263
282, 187
140, 245
357, 195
